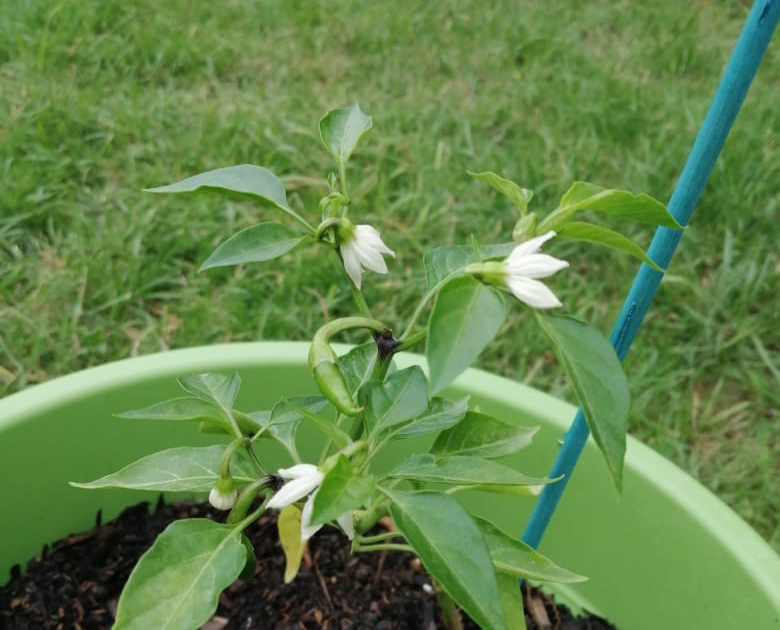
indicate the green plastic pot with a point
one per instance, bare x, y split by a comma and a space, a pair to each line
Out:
667, 554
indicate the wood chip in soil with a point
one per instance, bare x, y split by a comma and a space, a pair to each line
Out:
75, 584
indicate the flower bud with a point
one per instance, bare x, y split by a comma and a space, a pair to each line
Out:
224, 494
525, 228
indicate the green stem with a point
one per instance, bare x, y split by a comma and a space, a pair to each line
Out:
227, 454
245, 499
368, 519
246, 522
426, 298
368, 540
325, 225
450, 614
382, 547
358, 298
412, 340
341, 324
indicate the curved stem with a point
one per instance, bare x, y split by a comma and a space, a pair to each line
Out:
325, 225
341, 324
426, 298
227, 454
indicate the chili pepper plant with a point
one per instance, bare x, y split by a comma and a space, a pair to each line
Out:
365, 404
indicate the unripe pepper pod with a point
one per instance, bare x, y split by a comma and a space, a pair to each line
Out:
324, 364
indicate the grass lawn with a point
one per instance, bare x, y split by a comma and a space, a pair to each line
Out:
100, 98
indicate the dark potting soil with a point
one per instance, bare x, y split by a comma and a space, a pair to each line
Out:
75, 584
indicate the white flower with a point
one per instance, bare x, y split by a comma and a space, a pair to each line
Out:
524, 265
302, 480
364, 249
222, 500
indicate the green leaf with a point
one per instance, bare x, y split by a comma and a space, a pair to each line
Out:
286, 416
514, 558
440, 262
245, 180
357, 366
264, 241
441, 414
185, 408
460, 470
510, 490
182, 469
310, 411
585, 196
402, 396
480, 435
597, 375
453, 551
577, 231
209, 414
341, 490
342, 129
520, 197
465, 318
177, 582
579, 192
217, 388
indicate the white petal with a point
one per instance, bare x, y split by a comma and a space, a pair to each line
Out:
370, 236
532, 292
371, 258
531, 246
222, 501
298, 471
535, 266
347, 523
308, 530
294, 491
349, 254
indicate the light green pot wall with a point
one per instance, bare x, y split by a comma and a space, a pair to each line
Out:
667, 554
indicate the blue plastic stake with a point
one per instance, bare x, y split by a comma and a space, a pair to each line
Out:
741, 69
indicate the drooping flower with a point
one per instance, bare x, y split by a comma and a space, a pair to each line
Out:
523, 268
362, 247
303, 480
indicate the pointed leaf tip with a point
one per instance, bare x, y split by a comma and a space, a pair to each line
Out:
342, 129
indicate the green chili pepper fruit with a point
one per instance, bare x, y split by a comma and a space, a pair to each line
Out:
331, 382
328, 376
